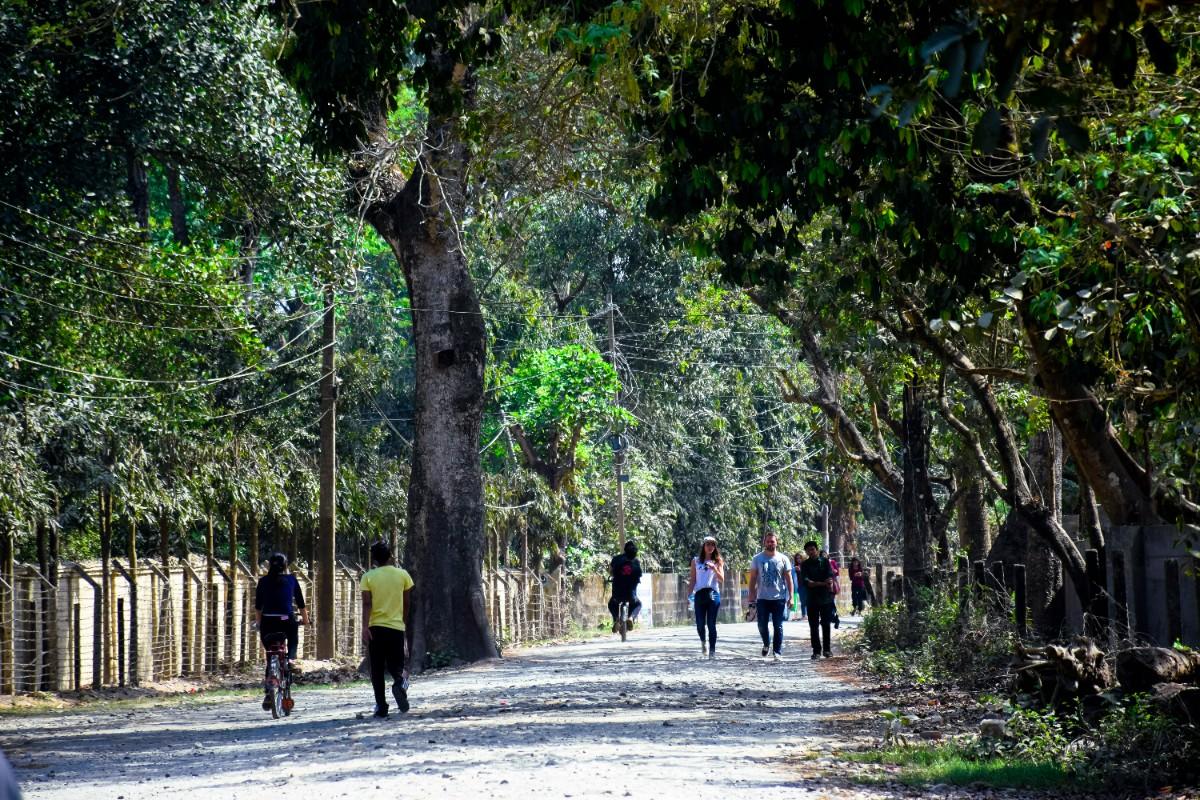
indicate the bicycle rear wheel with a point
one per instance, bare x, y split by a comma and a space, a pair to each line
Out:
623, 624
288, 703
274, 687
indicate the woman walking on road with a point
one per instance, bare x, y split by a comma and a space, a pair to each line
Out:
708, 571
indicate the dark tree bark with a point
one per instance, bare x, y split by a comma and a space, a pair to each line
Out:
105, 497
444, 547
179, 224
843, 514
918, 547
1043, 570
1014, 486
252, 546
137, 188
1089, 515
164, 539
974, 523
1122, 486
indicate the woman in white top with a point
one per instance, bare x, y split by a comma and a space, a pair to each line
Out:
708, 571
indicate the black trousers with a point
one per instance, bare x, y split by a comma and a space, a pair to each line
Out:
819, 618
614, 604
386, 651
291, 627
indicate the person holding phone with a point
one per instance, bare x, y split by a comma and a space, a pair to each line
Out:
708, 571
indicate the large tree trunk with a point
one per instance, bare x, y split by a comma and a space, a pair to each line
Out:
1043, 571
137, 188
179, 225
917, 544
1014, 486
164, 540
106, 580
1089, 515
1121, 485
444, 548
843, 514
974, 525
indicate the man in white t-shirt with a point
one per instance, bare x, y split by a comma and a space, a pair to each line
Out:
771, 588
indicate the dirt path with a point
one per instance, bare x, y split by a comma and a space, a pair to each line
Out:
600, 719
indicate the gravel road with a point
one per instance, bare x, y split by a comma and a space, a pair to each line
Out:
648, 719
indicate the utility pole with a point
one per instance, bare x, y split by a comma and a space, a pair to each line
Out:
326, 550
619, 441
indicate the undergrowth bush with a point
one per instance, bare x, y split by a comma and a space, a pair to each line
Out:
943, 644
1135, 743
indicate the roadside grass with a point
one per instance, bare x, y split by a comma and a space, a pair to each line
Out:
925, 765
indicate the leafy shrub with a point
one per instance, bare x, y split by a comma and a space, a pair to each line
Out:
943, 644
1136, 743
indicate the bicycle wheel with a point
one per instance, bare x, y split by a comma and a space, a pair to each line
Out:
288, 703
274, 687
623, 624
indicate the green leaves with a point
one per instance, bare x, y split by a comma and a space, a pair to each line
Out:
552, 391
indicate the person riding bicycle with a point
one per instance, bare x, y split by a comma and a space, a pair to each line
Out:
626, 572
276, 599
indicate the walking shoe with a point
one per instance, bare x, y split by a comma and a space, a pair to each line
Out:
703, 647
765, 649
828, 654
267, 703
836, 623
380, 712
712, 654
401, 696
816, 654
777, 656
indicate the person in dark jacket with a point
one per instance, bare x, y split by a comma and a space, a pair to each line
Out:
818, 577
626, 572
277, 599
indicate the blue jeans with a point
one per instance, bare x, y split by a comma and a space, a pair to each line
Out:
706, 617
774, 610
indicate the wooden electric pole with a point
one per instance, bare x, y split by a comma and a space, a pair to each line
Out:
326, 550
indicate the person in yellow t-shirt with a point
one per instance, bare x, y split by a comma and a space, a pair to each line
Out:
386, 612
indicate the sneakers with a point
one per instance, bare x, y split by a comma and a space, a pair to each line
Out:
764, 650
827, 654
267, 703
712, 654
703, 647
380, 712
777, 656
401, 696
816, 654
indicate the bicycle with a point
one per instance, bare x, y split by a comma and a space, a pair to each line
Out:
278, 680
623, 619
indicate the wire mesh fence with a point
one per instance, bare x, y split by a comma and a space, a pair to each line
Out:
83, 627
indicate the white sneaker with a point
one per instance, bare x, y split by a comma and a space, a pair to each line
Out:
775, 656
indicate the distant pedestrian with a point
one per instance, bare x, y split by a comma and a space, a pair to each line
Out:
818, 577
708, 571
771, 586
858, 586
386, 612
801, 591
